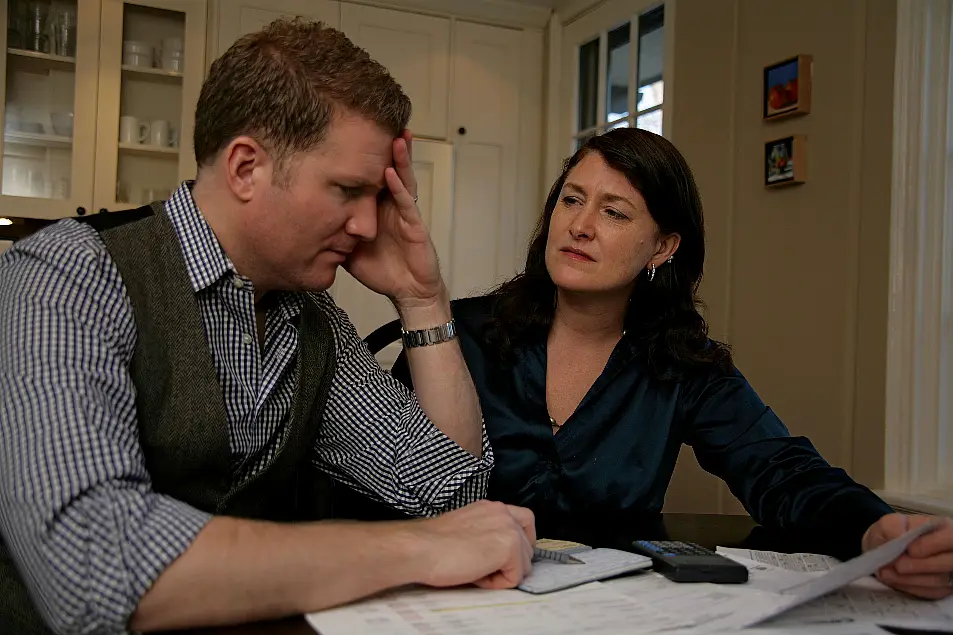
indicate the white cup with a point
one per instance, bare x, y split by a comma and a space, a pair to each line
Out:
137, 53
132, 131
173, 62
160, 133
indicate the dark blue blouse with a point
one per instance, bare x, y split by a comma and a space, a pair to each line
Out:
616, 453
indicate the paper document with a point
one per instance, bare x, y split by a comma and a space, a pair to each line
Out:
700, 607
594, 609
856, 568
803, 562
598, 564
863, 601
870, 602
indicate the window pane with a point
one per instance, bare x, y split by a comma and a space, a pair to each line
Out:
617, 74
650, 95
588, 84
651, 121
620, 124
651, 50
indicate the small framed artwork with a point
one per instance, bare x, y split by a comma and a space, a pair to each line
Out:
785, 161
787, 88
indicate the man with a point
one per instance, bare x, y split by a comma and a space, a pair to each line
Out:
170, 377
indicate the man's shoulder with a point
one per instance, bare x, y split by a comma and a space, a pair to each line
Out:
67, 246
62, 273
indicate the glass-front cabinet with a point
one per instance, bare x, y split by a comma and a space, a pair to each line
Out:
150, 74
97, 103
48, 108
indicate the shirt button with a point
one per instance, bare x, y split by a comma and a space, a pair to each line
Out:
237, 282
247, 339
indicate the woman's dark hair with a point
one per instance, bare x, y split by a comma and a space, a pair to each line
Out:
663, 321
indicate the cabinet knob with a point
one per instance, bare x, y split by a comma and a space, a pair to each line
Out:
103, 210
81, 211
461, 130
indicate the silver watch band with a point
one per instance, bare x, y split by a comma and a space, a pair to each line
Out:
429, 337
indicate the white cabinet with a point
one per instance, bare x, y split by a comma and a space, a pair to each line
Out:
235, 18
485, 116
48, 108
416, 50
147, 101
72, 69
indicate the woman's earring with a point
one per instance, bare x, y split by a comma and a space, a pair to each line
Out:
652, 273
670, 259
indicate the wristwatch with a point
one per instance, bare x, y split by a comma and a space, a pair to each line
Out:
429, 337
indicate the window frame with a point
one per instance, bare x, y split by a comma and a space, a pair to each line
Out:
598, 23
918, 455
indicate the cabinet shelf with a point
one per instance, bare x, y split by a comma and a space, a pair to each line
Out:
34, 62
37, 139
146, 150
151, 74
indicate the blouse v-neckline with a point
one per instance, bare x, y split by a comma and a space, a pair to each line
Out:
621, 353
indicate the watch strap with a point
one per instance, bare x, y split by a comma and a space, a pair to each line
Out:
429, 337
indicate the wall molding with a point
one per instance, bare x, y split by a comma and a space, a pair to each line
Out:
494, 12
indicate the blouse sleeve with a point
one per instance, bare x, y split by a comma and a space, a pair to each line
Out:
781, 480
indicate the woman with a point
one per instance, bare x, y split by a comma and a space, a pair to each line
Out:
594, 366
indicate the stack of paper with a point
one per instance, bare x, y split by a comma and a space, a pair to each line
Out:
784, 595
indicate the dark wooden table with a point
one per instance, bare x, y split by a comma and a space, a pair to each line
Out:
709, 530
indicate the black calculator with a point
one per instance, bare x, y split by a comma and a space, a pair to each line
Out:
687, 562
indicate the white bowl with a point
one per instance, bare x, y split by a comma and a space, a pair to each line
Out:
62, 123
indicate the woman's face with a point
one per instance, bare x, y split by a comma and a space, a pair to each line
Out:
601, 236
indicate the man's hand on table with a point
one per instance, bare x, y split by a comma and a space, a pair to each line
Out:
489, 544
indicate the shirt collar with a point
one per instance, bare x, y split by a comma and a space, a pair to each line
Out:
205, 260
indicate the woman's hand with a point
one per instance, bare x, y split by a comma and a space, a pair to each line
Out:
926, 569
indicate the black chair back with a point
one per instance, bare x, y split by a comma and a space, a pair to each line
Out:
382, 337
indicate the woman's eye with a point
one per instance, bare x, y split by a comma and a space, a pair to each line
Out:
570, 200
616, 214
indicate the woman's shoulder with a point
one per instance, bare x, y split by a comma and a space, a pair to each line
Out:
474, 311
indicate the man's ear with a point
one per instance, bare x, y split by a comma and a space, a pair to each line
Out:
246, 161
668, 245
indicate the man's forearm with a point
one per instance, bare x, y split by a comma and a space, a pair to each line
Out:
441, 379
240, 570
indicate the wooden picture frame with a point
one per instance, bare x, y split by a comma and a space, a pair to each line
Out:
787, 88
785, 161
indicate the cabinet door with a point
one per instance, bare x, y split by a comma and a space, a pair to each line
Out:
152, 63
433, 165
238, 17
49, 127
485, 116
416, 50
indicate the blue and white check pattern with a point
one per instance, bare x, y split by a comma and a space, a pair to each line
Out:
77, 509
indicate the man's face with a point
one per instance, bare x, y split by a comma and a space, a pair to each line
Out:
303, 226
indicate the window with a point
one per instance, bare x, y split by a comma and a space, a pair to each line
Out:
606, 98
919, 421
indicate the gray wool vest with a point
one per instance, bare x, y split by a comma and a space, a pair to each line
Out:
183, 429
